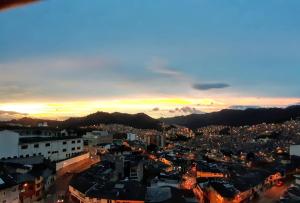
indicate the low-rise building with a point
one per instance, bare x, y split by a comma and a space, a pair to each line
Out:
96, 138
98, 184
12, 145
9, 189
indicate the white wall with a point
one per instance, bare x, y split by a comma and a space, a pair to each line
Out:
58, 149
131, 136
60, 165
8, 144
295, 150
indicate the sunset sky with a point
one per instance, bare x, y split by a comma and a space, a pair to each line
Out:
62, 58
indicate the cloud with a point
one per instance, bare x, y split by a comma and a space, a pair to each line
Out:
9, 115
208, 86
243, 107
186, 110
161, 67
155, 109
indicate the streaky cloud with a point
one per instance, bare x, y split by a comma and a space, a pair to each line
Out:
186, 110
208, 86
8, 115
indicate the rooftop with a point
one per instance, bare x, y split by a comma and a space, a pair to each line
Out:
7, 181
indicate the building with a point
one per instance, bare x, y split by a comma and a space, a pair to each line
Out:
12, 145
33, 175
134, 167
294, 150
98, 184
9, 190
131, 136
96, 138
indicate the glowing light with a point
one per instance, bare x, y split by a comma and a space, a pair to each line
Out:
23, 108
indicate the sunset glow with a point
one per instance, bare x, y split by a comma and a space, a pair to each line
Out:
159, 107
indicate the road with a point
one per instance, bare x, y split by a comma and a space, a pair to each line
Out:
63, 178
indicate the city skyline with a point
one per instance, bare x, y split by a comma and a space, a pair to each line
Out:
68, 58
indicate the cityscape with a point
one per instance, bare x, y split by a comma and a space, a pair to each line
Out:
145, 101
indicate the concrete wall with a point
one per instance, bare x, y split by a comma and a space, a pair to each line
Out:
62, 164
58, 149
8, 144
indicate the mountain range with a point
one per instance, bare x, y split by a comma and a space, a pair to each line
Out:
233, 117
142, 121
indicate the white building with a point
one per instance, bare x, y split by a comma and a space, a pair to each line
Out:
96, 138
131, 137
294, 150
12, 145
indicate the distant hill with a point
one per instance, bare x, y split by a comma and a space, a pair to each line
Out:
236, 117
140, 120
32, 121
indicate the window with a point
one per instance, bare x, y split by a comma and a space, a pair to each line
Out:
64, 143
73, 148
73, 141
24, 146
47, 144
34, 154
36, 146
78, 141
78, 148
27, 155
64, 150
40, 153
49, 152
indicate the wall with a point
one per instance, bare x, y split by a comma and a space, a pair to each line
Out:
8, 144
60, 165
204, 174
58, 149
10, 195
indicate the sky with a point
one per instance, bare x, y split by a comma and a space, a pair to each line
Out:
62, 58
